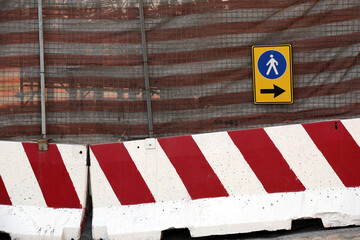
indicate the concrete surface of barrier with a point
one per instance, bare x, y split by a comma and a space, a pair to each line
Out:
42, 194
227, 182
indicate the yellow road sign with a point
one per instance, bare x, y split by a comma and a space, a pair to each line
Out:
272, 74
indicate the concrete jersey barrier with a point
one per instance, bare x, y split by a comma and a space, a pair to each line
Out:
42, 194
227, 182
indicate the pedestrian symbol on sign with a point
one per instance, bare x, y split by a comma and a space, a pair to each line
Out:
272, 64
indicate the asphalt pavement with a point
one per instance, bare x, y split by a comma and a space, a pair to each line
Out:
306, 233
302, 230
348, 233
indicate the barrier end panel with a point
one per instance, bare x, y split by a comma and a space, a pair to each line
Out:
47, 190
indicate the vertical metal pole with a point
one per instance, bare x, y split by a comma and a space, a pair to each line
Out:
42, 70
146, 69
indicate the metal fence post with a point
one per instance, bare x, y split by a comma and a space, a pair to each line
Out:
43, 142
42, 70
146, 69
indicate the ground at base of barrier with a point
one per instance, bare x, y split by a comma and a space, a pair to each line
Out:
312, 231
228, 215
33, 223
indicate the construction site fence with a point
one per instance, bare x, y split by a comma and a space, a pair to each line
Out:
95, 71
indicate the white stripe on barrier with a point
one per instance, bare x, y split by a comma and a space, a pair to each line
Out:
18, 177
157, 171
100, 187
222, 155
304, 157
353, 127
73, 157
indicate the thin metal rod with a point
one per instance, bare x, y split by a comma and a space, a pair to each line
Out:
42, 70
146, 69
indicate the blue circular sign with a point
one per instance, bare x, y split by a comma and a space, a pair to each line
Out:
272, 64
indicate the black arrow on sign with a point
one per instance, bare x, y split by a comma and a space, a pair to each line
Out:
276, 91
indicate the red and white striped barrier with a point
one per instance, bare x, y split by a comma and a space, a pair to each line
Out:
227, 182
42, 194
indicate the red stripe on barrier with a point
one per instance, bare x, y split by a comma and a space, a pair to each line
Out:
339, 148
52, 176
4, 196
122, 174
266, 161
197, 175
